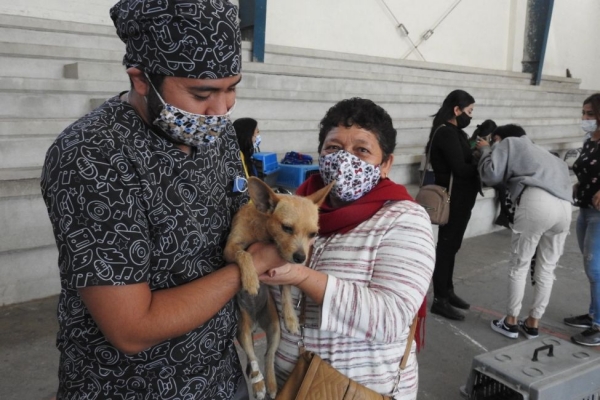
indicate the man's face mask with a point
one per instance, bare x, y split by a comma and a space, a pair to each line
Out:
354, 177
187, 128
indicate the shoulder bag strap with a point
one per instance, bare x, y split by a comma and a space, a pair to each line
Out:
403, 360
427, 163
409, 340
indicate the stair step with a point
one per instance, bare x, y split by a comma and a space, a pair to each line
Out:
64, 39
28, 128
28, 274
336, 60
26, 218
60, 52
53, 25
21, 151
377, 68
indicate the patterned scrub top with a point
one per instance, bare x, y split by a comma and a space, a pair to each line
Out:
127, 206
587, 169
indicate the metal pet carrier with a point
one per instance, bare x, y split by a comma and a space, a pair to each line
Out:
545, 368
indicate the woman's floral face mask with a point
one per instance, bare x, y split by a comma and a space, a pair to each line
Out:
354, 177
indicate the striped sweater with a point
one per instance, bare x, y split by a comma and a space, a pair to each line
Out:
378, 275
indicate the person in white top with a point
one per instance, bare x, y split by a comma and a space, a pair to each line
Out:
371, 263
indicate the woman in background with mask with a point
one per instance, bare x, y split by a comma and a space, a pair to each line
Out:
451, 157
248, 135
371, 263
587, 197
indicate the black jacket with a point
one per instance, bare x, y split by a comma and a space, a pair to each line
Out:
451, 153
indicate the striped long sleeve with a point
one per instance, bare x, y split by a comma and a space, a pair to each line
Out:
378, 275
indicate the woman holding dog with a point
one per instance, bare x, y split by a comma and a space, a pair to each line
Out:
451, 157
371, 263
587, 197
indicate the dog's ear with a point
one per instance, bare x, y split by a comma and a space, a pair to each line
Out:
320, 195
262, 195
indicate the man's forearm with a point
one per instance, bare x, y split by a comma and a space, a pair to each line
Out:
134, 318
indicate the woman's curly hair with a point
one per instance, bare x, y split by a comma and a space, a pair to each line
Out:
362, 113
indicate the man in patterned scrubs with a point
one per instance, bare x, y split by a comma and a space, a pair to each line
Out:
141, 193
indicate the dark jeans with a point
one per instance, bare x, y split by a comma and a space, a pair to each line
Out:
450, 238
242, 391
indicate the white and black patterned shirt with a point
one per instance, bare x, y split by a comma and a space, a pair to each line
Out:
127, 206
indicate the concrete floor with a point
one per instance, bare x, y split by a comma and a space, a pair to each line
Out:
28, 358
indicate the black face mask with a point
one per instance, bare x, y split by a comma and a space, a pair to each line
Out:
463, 120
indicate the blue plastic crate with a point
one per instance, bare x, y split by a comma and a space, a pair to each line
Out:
291, 176
265, 163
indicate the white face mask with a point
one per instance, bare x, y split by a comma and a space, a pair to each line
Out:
187, 128
589, 125
354, 177
257, 143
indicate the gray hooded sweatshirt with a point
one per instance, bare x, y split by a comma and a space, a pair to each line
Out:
519, 163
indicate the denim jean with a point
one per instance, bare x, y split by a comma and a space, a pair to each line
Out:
542, 221
242, 391
588, 237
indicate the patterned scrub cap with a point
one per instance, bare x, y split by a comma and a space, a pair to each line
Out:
187, 38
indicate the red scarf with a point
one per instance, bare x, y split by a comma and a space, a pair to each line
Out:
344, 219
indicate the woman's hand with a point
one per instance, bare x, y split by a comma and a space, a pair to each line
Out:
311, 282
287, 274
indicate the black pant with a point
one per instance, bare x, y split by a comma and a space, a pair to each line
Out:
450, 238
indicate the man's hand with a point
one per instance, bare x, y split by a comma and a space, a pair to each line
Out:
265, 257
481, 143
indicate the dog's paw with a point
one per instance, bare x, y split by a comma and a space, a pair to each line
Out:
292, 324
260, 395
273, 394
251, 284
258, 387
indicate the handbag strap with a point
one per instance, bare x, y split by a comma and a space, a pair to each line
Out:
403, 360
427, 161
409, 340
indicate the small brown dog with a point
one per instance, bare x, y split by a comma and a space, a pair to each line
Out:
291, 222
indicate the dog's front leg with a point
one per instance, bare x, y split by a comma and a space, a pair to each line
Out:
245, 330
269, 322
287, 309
250, 282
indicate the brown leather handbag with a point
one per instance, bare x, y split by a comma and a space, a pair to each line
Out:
314, 379
435, 199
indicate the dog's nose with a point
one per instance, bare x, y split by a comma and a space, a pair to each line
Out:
299, 258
